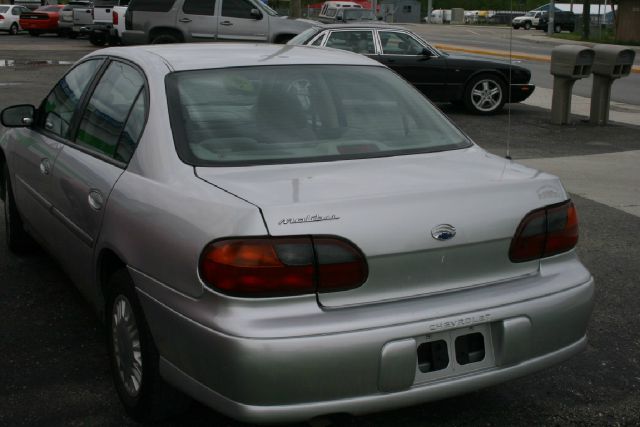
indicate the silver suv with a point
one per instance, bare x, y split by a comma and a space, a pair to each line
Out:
175, 21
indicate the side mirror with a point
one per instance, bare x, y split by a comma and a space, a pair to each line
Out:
18, 116
255, 14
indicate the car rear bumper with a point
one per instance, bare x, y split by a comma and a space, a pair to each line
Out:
520, 92
280, 378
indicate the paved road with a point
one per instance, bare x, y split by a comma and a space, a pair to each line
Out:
53, 363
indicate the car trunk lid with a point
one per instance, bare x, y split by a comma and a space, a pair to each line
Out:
392, 207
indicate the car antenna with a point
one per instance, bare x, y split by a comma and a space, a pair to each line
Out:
508, 152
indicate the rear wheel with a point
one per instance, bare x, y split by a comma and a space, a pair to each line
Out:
134, 357
485, 94
98, 39
165, 38
18, 241
13, 29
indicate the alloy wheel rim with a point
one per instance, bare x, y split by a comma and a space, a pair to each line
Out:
486, 95
126, 345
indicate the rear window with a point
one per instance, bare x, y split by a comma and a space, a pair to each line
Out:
151, 5
4, 9
301, 113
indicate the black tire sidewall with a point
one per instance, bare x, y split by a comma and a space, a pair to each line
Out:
527, 25
137, 407
17, 239
13, 29
165, 39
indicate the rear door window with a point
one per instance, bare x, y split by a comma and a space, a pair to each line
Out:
105, 123
151, 5
199, 7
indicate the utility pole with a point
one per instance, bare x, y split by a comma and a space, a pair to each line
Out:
586, 19
552, 18
429, 10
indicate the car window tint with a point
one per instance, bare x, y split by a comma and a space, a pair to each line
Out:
394, 43
287, 114
237, 8
151, 5
132, 130
59, 106
108, 108
353, 41
199, 7
4, 9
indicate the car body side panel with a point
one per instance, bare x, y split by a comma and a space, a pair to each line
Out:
82, 184
31, 156
198, 27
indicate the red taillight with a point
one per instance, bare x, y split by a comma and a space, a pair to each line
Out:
1, 17
282, 266
545, 232
114, 16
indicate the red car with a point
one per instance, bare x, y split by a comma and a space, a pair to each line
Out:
42, 20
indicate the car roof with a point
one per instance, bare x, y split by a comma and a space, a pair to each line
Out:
195, 56
361, 25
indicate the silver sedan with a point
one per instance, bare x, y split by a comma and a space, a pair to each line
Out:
283, 232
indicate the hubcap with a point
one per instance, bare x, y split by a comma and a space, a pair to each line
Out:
126, 345
486, 95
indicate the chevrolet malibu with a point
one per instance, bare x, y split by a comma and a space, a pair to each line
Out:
283, 232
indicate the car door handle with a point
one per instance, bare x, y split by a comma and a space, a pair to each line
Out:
95, 200
184, 20
226, 23
45, 166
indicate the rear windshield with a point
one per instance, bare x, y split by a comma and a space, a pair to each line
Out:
4, 9
301, 113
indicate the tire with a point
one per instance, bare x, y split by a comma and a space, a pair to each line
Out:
557, 28
98, 39
17, 239
165, 38
34, 33
516, 27
13, 29
134, 357
485, 94
527, 25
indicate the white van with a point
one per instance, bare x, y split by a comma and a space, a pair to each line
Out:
330, 10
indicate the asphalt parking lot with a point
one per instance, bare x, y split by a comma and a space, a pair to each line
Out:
53, 362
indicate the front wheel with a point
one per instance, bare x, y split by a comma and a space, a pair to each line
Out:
17, 239
134, 357
13, 30
485, 94
527, 25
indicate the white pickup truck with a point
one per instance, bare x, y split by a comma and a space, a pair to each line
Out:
103, 26
528, 20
